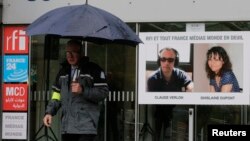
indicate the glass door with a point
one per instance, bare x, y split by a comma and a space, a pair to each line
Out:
216, 115
46, 54
117, 115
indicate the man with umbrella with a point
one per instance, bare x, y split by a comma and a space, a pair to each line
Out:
91, 24
79, 87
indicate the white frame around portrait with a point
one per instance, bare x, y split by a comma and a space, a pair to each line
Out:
237, 45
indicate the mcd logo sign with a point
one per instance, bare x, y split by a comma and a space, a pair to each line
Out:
15, 97
15, 40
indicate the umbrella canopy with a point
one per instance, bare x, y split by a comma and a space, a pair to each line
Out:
85, 21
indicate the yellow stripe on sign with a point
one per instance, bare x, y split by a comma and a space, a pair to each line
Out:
56, 96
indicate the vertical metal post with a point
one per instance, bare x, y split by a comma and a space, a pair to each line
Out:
29, 92
195, 123
191, 124
136, 90
105, 118
105, 101
85, 48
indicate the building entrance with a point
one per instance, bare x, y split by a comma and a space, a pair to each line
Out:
118, 114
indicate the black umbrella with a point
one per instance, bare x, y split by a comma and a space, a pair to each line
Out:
85, 21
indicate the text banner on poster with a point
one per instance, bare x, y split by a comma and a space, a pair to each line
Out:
192, 48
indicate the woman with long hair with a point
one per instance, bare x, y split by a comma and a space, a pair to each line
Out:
219, 71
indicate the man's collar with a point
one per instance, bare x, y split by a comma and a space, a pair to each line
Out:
74, 67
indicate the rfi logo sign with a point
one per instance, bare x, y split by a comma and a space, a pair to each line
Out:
15, 40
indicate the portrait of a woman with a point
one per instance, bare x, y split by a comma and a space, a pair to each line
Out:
219, 71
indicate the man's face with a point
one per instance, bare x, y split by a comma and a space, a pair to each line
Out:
167, 59
73, 54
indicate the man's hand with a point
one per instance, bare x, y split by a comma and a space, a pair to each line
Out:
47, 120
76, 88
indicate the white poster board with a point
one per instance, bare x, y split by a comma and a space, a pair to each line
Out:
192, 48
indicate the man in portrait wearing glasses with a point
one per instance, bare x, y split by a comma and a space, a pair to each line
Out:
167, 78
79, 87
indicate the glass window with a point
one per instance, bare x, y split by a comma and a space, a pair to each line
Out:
172, 122
117, 121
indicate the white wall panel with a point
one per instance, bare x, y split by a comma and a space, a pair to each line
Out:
24, 11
